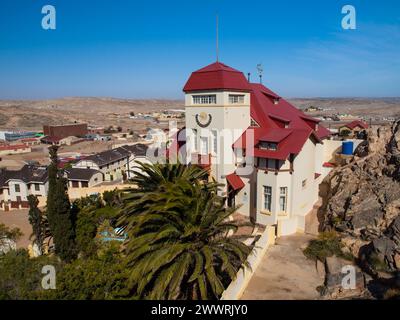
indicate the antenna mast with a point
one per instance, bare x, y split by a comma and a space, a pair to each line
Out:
217, 47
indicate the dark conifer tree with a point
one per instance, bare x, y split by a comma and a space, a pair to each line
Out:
59, 211
35, 219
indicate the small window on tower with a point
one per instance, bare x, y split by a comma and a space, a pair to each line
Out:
205, 99
236, 98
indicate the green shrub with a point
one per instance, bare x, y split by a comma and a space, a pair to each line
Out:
21, 276
327, 245
377, 264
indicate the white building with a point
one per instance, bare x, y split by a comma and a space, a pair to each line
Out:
269, 154
16, 186
117, 163
83, 177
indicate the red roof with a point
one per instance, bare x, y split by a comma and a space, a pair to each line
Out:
275, 135
356, 123
268, 114
235, 182
328, 165
217, 76
29, 139
13, 147
279, 121
51, 139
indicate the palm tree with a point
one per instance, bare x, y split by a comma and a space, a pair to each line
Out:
178, 245
149, 177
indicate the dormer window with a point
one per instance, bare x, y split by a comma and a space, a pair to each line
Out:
236, 98
253, 123
268, 145
205, 99
276, 101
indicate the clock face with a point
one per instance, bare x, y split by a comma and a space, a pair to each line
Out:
203, 119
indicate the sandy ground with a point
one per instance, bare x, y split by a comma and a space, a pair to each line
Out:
41, 153
285, 273
19, 219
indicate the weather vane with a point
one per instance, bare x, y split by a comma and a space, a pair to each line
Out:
260, 71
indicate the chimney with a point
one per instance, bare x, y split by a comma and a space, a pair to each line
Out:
248, 76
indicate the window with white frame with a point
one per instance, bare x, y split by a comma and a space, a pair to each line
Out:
267, 198
194, 140
205, 99
268, 145
204, 145
283, 199
236, 98
214, 134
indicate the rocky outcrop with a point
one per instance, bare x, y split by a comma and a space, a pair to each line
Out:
338, 286
362, 202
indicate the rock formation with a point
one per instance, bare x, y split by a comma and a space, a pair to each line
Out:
362, 203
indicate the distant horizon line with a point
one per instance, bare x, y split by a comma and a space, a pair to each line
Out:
177, 99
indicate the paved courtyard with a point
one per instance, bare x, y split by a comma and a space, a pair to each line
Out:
285, 273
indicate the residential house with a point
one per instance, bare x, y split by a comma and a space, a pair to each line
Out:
353, 128
16, 186
61, 141
115, 164
30, 141
14, 149
83, 177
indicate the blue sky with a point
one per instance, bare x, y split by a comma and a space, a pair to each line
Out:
147, 49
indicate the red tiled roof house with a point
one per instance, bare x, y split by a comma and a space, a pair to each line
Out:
353, 128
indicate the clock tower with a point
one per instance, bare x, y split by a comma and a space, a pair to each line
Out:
217, 103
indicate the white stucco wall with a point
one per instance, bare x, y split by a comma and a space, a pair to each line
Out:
303, 198
25, 191
229, 120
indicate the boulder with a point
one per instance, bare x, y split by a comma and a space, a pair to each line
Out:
337, 278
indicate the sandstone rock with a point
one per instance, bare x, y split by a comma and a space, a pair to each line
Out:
362, 149
396, 259
352, 245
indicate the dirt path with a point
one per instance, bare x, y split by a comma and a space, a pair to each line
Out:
285, 273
